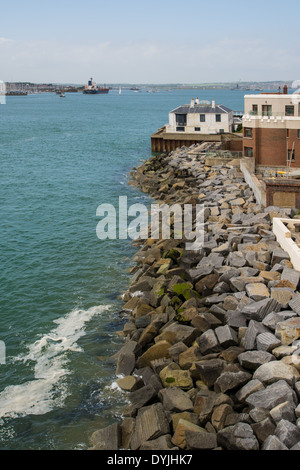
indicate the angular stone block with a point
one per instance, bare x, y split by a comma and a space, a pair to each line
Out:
253, 359
175, 399
238, 437
288, 433
208, 342
151, 423
267, 342
273, 443
272, 396
108, 438
275, 371
226, 336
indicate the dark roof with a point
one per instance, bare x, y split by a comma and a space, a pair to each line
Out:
202, 109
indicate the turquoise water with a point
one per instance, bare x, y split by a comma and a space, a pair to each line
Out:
59, 284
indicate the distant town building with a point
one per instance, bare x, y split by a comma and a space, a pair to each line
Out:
200, 117
271, 128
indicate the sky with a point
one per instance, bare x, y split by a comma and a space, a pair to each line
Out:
165, 41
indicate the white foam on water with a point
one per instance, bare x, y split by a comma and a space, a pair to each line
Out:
137, 293
50, 357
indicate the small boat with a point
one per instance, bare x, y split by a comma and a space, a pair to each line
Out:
62, 95
92, 89
120, 91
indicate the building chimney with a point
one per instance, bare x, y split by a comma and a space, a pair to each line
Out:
213, 104
285, 90
192, 103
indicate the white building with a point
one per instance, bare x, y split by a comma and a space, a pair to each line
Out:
200, 118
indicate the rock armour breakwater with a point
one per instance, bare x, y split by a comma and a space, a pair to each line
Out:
210, 353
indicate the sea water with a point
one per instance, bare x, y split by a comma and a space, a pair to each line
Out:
60, 286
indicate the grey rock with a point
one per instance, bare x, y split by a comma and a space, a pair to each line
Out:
288, 433
231, 380
199, 272
200, 440
236, 259
205, 403
278, 255
215, 299
290, 275
235, 319
143, 396
274, 371
238, 437
228, 274
277, 267
177, 349
272, 396
125, 363
251, 387
181, 333
175, 399
161, 443
151, 423
213, 259
295, 304
263, 429
283, 411
267, 342
273, 443
208, 342
271, 320
252, 360
296, 446
108, 438
259, 310
209, 370
226, 336
253, 330
259, 414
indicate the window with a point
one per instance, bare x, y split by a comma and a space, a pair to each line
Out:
289, 110
248, 132
298, 133
202, 117
248, 151
266, 110
197, 129
180, 119
291, 155
221, 131
218, 117
287, 133
180, 129
254, 109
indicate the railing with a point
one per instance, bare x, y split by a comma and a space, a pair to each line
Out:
267, 114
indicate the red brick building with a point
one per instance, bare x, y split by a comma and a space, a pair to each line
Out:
271, 129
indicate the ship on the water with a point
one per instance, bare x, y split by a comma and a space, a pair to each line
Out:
92, 89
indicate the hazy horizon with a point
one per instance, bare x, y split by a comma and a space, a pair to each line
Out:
159, 43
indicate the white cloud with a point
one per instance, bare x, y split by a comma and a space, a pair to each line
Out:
223, 60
